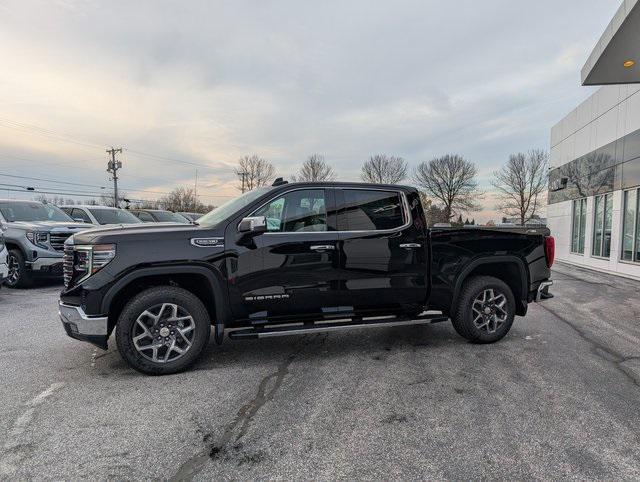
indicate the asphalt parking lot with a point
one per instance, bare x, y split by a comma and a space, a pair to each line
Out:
558, 398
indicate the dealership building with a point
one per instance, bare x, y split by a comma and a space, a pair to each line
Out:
594, 178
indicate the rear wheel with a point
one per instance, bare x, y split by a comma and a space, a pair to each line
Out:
18, 276
485, 310
163, 330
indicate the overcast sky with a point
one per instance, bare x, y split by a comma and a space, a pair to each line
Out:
206, 82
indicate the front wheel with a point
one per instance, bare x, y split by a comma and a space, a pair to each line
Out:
163, 330
485, 310
18, 276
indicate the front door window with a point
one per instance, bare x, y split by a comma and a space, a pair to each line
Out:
296, 211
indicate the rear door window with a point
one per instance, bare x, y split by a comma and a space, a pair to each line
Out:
370, 210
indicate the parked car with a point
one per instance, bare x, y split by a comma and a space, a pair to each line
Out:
100, 215
190, 216
158, 216
35, 233
296, 258
4, 255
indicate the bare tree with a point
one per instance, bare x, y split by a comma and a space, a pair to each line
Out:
183, 199
521, 183
253, 172
107, 199
56, 200
451, 180
315, 168
433, 213
383, 169
588, 177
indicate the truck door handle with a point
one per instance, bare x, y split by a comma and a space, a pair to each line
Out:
322, 247
411, 245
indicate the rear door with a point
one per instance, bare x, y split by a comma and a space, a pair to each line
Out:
383, 252
291, 270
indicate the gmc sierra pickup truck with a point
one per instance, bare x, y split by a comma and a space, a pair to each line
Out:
295, 258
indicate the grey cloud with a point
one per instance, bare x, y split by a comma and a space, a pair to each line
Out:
348, 79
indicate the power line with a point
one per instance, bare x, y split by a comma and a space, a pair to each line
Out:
55, 181
50, 180
33, 129
60, 193
74, 166
65, 193
54, 163
33, 188
37, 130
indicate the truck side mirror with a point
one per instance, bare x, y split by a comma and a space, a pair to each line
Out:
253, 225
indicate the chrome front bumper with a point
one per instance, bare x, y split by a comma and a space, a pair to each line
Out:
543, 289
78, 323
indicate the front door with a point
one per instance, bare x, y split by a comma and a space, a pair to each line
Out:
384, 252
291, 270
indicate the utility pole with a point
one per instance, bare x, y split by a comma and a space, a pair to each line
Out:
112, 168
243, 176
195, 192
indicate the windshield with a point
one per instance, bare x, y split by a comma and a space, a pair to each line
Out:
222, 212
169, 217
28, 211
114, 216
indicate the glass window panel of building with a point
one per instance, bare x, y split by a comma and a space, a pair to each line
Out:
578, 225
631, 226
602, 226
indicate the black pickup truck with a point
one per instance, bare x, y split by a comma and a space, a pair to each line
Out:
295, 258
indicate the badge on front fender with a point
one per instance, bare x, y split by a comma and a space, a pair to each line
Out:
208, 242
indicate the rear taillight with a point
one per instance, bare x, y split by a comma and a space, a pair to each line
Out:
549, 249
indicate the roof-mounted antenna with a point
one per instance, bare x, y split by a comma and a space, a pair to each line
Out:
279, 182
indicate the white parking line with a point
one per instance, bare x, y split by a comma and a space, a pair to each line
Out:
12, 452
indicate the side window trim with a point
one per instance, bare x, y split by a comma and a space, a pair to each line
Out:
334, 197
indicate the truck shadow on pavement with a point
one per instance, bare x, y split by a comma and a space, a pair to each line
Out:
373, 345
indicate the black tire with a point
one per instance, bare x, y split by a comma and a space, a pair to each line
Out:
153, 297
472, 290
22, 278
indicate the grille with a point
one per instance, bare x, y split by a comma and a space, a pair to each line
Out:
67, 265
57, 240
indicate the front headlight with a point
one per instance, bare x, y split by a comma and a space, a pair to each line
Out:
91, 258
38, 239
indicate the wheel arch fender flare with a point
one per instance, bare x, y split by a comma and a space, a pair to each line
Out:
215, 280
502, 259
12, 245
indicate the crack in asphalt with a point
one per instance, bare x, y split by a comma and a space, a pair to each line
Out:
13, 451
601, 349
238, 427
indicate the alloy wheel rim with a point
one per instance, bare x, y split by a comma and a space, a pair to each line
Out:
14, 270
163, 333
489, 310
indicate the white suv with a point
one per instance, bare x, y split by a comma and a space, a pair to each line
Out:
100, 215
